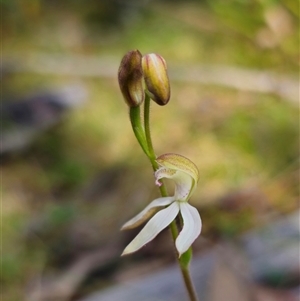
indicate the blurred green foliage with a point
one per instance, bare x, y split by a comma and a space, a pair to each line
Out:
266, 131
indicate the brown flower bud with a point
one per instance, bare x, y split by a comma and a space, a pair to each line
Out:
131, 78
156, 78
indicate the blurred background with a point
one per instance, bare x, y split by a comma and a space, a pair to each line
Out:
72, 172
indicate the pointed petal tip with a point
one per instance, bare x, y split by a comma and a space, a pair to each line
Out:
125, 227
128, 250
124, 253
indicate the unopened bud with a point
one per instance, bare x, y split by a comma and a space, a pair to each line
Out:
131, 78
156, 78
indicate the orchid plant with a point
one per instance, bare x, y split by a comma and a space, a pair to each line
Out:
142, 78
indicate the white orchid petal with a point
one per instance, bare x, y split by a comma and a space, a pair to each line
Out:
155, 225
147, 212
183, 186
191, 227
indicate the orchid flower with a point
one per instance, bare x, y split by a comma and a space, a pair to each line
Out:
185, 175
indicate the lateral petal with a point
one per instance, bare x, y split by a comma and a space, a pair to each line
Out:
147, 212
155, 225
191, 227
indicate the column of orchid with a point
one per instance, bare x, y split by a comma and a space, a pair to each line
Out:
142, 78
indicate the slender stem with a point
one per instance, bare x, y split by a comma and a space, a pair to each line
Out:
189, 284
152, 156
163, 191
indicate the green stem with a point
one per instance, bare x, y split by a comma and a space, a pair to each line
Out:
183, 263
152, 156
137, 127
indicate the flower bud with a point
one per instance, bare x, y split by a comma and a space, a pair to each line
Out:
131, 78
156, 78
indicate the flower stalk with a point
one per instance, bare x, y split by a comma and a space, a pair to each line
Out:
148, 132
